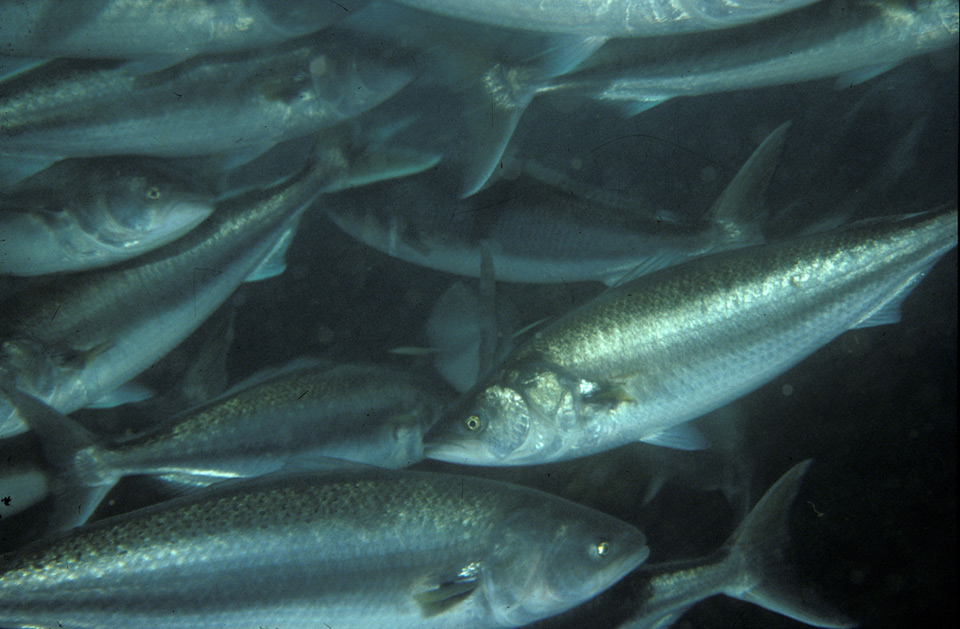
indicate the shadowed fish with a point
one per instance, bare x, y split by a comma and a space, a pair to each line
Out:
201, 106
83, 214
541, 234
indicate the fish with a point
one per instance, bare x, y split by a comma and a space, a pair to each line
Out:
83, 214
540, 234
750, 566
849, 40
616, 18
177, 30
77, 338
645, 357
853, 41
202, 106
309, 548
307, 409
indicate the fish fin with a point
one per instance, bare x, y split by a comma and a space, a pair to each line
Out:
682, 437
653, 488
11, 67
740, 207
80, 483
127, 393
889, 312
384, 164
13, 170
301, 363
566, 52
274, 263
636, 107
444, 596
487, 315
206, 377
862, 75
608, 396
757, 549
148, 65
660, 260
503, 94
184, 483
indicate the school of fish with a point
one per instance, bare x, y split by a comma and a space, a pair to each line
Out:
469, 313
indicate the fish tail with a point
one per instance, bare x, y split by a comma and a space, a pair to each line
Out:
81, 480
764, 576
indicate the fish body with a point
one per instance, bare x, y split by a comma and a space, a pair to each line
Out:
653, 353
240, 103
87, 215
609, 18
79, 337
177, 30
350, 549
537, 233
851, 40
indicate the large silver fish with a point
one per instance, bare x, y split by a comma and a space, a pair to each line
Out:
541, 234
751, 566
309, 409
307, 549
166, 30
242, 104
78, 337
651, 354
82, 214
610, 18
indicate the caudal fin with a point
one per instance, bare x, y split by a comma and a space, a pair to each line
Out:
767, 577
79, 484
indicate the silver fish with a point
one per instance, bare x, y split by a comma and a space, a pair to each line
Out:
243, 103
540, 234
854, 40
349, 549
168, 30
74, 339
309, 409
81, 214
649, 355
610, 18
750, 567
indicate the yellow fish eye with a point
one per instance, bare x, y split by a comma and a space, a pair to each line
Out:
153, 193
603, 548
473, 423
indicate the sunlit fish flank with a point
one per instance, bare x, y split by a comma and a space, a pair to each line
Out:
653, 353
310, 409
610, 18
83, 214
541, 234
315, 550
164, 31
242, 104
78, 337
751, 566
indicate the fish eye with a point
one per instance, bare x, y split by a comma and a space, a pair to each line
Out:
473, 423
602, 549
153, 193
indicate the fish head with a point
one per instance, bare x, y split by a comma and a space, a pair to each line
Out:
526, 417
146, 210
545, 561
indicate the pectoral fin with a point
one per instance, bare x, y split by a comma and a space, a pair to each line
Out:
444, 596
